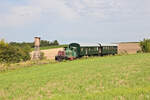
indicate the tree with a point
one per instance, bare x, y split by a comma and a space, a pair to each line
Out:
55, 42
44, 43
145, 45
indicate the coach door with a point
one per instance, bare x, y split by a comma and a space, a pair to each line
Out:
99, 50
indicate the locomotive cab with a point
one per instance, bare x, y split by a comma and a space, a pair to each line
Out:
71, 53
67, 54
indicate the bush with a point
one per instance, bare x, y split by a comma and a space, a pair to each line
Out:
13, 54
42, 56
145, 45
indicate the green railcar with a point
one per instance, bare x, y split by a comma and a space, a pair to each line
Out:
84, 49
108, 49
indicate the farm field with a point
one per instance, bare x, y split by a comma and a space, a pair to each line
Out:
51, 47
97, 78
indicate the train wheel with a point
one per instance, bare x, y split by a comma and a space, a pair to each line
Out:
59, 59
71, 58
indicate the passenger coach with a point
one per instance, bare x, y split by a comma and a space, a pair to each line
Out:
86, 49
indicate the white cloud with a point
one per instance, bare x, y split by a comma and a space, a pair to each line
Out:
72, 9
58, 7
19, 15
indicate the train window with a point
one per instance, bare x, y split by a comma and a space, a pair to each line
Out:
81, 49
106, 47
89, 49
92, 49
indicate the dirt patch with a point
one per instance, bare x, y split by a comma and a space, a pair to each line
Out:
130, 48
50, 53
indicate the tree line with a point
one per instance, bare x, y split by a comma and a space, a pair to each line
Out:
43, 43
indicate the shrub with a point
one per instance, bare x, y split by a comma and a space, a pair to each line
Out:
42, 56
13, 54
145, 45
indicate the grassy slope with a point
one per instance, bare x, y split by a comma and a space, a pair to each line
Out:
106, 78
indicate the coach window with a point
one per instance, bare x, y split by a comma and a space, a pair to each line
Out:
89, 49
104, 47
81, 49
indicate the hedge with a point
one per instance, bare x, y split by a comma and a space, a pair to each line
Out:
13, 54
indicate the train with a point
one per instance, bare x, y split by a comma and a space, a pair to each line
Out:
78, 50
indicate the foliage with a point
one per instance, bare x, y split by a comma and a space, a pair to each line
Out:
52, 47
31, 44
42, 56
145, 45
43, 43
98, 78
55, 42
13, 54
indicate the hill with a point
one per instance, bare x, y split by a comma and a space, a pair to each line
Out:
98, 78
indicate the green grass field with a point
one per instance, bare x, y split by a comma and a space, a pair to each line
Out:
99, 78
51, 47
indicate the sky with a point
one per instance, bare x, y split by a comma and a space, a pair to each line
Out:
104, 21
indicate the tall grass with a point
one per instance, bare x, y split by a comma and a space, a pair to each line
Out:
97, 78
13, 66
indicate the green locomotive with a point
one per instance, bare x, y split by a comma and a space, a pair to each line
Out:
77, 50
